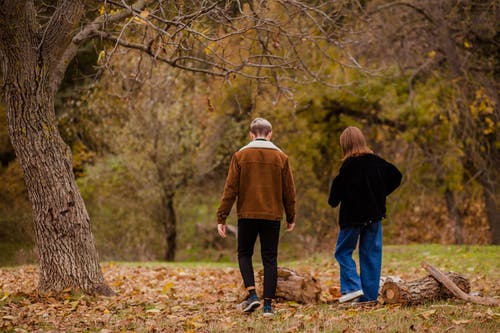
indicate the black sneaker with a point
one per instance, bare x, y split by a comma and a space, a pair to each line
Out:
250, 304
268, 311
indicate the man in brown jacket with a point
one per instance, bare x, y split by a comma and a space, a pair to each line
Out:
260, 177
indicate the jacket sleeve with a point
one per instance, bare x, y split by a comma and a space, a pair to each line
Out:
336, 190
288, 192
231, 189
392, 178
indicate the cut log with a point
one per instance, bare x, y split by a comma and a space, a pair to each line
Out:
420, 291
458, 292
292, 286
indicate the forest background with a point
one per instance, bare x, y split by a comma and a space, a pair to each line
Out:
151, 144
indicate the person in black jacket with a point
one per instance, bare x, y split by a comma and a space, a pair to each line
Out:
361, 186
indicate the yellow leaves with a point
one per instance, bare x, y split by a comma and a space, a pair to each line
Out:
102, 11
482, 104
481, 109
351, 312
117, 283
431, 54
5, 296
74, 305
467, 45
153, 310
167, 288
210, 48
490, 126
293, 304
141, 18
101, 57
176, 308
194, 324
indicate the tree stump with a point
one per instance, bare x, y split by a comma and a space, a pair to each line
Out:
420, 291
292, 286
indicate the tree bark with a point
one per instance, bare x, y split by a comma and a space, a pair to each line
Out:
67, 253
454, 216
492, 205
170, 223
420, 291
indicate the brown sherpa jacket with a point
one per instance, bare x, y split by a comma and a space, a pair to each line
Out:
261, 178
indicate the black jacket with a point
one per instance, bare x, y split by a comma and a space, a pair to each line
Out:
361, 187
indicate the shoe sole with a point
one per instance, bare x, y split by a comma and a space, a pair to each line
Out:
350, 298
252, 306
267, 314
364, 304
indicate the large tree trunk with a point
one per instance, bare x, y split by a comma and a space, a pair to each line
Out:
492, 204
170, 223
475, 160
67, 253
454, 216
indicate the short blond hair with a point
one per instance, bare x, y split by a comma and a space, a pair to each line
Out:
260, 127
353, 143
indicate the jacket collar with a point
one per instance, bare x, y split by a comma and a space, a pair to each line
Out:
261, 144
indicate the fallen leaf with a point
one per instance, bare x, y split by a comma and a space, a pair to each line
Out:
427, 314
293, 304
167, 287
5, 296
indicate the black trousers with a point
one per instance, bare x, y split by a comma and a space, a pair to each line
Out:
268, 232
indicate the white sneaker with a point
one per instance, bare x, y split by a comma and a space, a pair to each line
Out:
350, 296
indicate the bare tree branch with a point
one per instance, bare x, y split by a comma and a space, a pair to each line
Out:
89, 31
406, 4
176, 62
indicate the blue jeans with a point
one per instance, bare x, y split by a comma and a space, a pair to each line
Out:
370, 259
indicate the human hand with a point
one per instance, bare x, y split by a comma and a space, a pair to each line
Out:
221, 228
290, 226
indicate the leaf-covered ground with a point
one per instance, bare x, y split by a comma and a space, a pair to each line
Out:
201, 297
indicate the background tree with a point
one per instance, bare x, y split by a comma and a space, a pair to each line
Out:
155, 124
38, 41
448, 48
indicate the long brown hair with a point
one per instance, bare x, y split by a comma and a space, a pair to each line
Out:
353, 143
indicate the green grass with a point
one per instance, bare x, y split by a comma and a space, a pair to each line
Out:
470, 260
